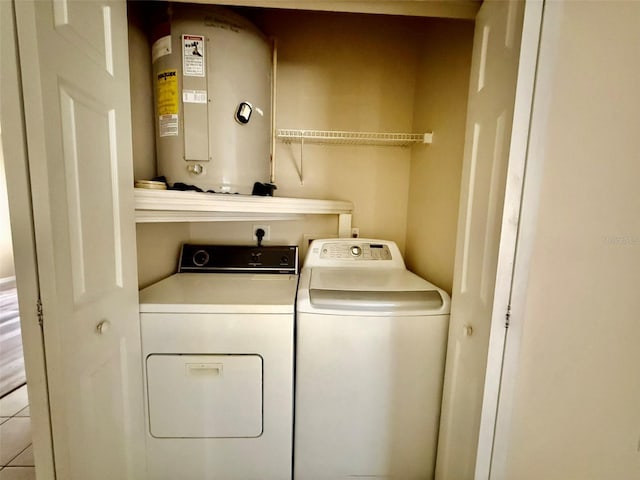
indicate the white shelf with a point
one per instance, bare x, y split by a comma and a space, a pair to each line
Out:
176, 206
336, 137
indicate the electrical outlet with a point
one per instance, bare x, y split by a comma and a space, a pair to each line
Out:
355, 232
267, 232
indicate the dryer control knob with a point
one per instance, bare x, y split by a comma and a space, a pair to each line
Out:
200, 258
356, 251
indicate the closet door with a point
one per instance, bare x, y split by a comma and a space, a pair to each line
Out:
74, 62
498, 116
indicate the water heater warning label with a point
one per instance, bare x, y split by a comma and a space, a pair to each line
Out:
193, 55
167, 98
168, 125
167, 92
194, 96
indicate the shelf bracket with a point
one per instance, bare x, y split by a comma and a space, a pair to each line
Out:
301, 160
344, 225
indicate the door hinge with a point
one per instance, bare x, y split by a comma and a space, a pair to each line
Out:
507, 317
40, 312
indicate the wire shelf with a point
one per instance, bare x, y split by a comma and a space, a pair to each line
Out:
335, 137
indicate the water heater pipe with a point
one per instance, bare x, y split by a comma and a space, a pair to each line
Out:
273, 110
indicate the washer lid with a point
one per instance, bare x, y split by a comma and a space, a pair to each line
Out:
392, 290
360, 279
376, 300
221, 293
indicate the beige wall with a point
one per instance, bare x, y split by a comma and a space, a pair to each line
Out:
576, 405
361, 73
347, 72
142, 116
441, 104
158, 249
159, 243
7, 268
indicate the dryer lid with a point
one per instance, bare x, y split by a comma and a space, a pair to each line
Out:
221, 293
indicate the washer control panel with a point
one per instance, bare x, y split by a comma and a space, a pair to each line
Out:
355, 251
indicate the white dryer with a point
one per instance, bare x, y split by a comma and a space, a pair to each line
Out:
370, 350
217, 342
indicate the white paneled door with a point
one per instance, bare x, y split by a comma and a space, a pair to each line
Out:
74, 62
498, 115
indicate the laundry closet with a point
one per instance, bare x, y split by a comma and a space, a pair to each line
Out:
345, 72
66, 119
433, 72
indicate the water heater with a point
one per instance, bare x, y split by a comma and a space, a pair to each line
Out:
212, 74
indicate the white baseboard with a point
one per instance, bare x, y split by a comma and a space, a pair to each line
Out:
8, 282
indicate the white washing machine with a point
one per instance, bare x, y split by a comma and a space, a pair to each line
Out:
217, 342
370, 350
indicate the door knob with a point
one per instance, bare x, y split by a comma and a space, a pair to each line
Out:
103, 326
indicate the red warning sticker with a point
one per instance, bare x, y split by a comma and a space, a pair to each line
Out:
193, 64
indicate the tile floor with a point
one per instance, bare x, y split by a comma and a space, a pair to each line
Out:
11, 353
16, 452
